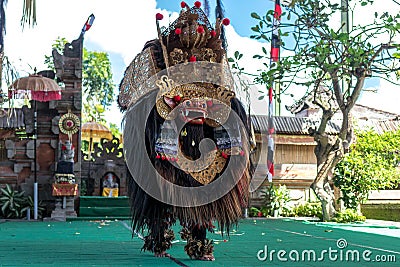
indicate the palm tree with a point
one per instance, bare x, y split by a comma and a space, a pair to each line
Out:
28, 17
3, 3
29, 13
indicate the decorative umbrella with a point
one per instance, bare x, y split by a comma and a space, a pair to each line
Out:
38, 88
93, 132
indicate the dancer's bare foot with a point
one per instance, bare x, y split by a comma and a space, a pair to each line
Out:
162, 254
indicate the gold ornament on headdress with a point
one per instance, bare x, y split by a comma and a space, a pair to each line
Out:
190, 38
219, 96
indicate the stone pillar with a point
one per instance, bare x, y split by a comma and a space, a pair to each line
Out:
68, 67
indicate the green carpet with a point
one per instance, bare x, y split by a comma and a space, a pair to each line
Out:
109, 243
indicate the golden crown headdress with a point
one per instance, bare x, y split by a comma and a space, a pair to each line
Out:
190, 38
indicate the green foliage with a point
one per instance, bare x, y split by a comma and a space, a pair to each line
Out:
348, 216
12, 203
98, 87
330, 64
370, 165
258, 212
29, 204
308, 209
320, 53
58, 45
267, 195
114, 130
97, 81
280, 198
276, 198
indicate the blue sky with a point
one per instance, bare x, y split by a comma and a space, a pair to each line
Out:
238, 11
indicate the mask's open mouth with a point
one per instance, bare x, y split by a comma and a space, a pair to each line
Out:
193, 115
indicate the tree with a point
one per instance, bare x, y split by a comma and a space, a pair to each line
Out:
372, 164
28, 17
98, 87
321, 56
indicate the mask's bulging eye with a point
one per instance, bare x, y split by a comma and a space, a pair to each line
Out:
187, 103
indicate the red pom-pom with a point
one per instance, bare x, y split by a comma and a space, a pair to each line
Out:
213, 33
163, 157
192, 59
177, 98
226, 21
158, 156
210, 103
200, 29
241, 153
197, 4
178, 31
159, 16
224, 155
183, 4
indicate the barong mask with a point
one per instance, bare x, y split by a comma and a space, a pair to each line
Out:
188, 67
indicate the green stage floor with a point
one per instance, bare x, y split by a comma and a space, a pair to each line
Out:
109, 243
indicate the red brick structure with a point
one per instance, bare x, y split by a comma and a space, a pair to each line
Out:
16, 131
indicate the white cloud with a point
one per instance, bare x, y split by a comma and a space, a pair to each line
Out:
122, 27
383, 97
248, 47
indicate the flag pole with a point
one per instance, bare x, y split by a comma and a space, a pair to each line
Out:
275, 46
35, 184
87, 25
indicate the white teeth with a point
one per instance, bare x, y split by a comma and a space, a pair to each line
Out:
187, 113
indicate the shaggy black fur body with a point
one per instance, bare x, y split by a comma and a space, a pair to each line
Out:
156, 216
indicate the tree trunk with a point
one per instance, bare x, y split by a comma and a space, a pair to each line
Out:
329, 151
322, 188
